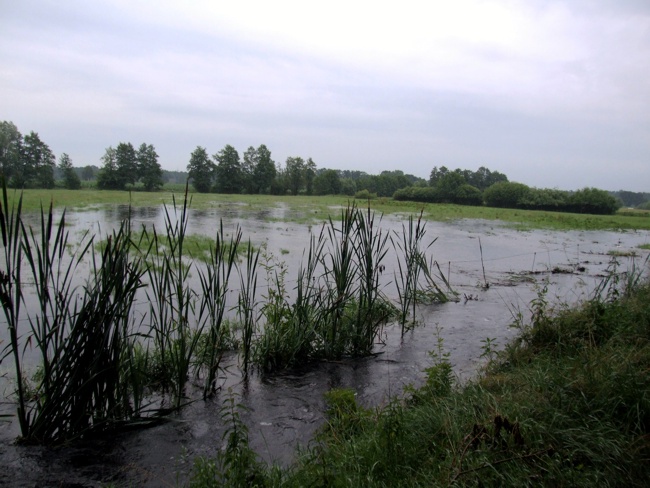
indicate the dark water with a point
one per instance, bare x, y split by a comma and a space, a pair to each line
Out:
284, 411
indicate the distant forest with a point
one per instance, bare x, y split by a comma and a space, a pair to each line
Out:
27, 162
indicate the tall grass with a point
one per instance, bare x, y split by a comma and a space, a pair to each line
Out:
340, 304
290, 335
340, 273
411, 263
11, 294
172, 302
371, 247
247, 304
79, 331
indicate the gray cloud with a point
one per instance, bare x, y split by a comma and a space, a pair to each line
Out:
551, 94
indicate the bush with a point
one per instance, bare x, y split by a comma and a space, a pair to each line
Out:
505, 194
365, 195
544, 199
425, 194
468, 195
592, 201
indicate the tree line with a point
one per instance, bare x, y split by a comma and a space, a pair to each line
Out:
493, 189
27, 162
256, 172
124, 166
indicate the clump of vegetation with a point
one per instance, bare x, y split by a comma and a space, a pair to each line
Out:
340, 307
365, 195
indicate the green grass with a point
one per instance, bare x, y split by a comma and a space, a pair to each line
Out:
306, 209
196, 247
622, 254
566, 404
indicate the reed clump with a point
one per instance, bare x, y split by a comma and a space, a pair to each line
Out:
121, 330
340, 303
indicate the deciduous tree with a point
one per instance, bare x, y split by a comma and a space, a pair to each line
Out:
310, 174
108, 177
11, 143
265, 171
228, 171
71, 179
38, 163
201, 170
127, 164
149, 169
248, 171
295, 173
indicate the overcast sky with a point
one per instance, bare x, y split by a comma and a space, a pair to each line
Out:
555, 94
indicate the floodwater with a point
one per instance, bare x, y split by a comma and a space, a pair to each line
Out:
284, 411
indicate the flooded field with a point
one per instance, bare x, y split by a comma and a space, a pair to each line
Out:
496, 271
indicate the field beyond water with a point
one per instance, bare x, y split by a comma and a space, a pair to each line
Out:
566, 404
317, 208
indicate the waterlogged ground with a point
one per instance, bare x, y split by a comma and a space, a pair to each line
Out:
283, 412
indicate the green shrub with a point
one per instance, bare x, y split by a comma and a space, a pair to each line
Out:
365, 195
505, 194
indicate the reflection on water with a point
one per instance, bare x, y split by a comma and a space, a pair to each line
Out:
285, 410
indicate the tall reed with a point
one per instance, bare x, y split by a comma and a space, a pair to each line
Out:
172, 301
371, 249
339, 305
247, 304
78, 331
412, 261
340, 272
214, 281
11, 294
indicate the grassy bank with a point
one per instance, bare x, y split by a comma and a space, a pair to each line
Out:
567, 404
317, 208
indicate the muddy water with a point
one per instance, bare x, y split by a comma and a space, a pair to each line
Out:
283, 412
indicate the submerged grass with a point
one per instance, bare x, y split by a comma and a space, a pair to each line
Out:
566, 404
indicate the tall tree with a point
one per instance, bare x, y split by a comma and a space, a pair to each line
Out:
127, 165
248, 166
149, 170
310, 173
11, 144
71, 179
295, 172
88, 172
201, 170
265, 171
108, 177
437, 174
328, 182
38, 163
228, 171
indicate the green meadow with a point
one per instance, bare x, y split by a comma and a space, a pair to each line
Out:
318, 208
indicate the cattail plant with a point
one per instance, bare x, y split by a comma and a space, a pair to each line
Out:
172, 301
412, 261
340, 270
79, 332
247, 304
371, 248
214, 279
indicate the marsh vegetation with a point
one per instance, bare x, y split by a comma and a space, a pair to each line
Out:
101, 365
182, 314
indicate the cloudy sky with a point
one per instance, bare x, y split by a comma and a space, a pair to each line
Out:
554, 94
